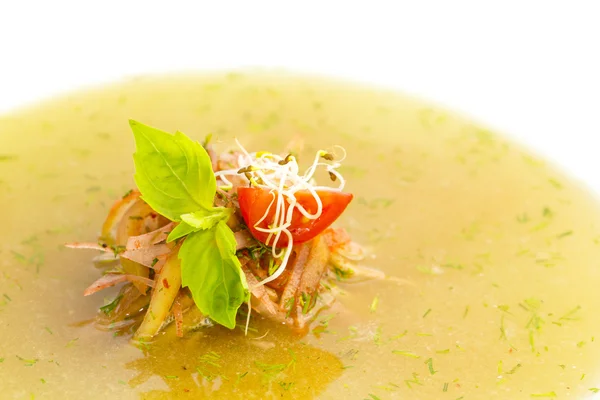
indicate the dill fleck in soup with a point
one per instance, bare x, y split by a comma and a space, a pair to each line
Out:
472, 271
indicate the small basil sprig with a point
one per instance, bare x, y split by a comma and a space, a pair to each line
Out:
175, 176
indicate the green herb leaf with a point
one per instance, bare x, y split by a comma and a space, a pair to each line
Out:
173, 172
206, 219
108, 308
211, 270
182, 229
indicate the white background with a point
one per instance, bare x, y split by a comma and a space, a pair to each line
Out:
530, 69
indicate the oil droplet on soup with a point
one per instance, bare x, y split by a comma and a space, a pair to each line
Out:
493, 255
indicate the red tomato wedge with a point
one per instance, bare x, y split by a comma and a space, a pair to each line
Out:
254, 202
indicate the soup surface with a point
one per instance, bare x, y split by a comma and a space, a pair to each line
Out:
492, 256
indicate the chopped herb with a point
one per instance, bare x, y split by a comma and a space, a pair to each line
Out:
374, 304
306, 302
570, 316
289, 304
423, 334
19, 257
555, 183
48, 330
7, 297
564, 234
154, 261
504, 308
108, 308
581, 344
427, 313
514, 369
454, 266
28, 362
272, 266
7, 157
414, 381
522, 218
372, 396
429, 363
445, 351
122, 382
342, 273
127, 193
72, 342
546, 395
563, 366
466, 312
406, 353
171, 377
445, 389
582, 376
136, 217
1, 359
594, 390
399, 335
42, 380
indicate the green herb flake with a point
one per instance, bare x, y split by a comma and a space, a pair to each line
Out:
466, 312
48, 330
374, 304
1, 359
445, 351
42, 380
445, 388
563, 366
564, 234
108, 308
414, 381
7, 157
544, 395
171, 377
571, 315
71, 342
406, 353
581, 344
594, 390
122, 382
555, 183
400, 335
372, 396
29, 362
429, 363
426, 313
582, 376
514, 369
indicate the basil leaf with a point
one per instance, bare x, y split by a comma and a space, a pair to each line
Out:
212, 272
181, 230
173, 172
199, 220
206, 219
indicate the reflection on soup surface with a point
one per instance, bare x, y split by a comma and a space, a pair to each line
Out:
491, 255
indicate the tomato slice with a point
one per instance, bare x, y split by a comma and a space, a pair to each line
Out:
254, 202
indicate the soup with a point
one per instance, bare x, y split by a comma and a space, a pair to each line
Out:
491, 254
